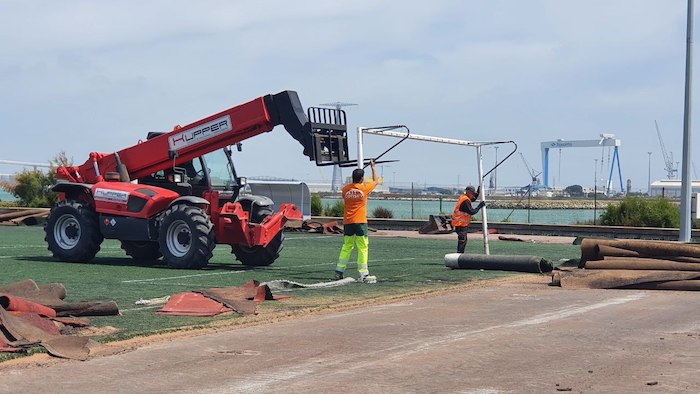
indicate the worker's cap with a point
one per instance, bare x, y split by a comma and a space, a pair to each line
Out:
470, 189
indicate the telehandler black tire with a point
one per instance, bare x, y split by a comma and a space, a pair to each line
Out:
142, 250
186, 236
73, 232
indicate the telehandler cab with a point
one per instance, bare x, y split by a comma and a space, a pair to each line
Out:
176, 195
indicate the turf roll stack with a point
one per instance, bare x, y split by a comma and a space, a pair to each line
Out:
533, 264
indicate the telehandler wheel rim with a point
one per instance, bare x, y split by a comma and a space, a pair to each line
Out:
66, 232
179, 238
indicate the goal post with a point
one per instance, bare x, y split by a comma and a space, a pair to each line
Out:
390, 132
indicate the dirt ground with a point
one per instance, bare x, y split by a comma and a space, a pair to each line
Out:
508, 335
501, 336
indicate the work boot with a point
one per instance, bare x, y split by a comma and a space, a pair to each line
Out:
338, 275
368, 279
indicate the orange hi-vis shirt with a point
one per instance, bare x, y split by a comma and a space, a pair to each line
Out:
355, 198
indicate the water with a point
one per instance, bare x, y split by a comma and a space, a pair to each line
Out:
422, 209
5, 196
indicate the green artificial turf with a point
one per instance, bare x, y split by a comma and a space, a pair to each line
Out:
402, 266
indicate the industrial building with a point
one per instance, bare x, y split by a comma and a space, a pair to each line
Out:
670, 188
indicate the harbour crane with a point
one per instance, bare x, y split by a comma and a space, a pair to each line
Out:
605, 140
671, 170
535, 179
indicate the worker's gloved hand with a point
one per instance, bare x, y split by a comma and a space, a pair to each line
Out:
481, 205
478, 191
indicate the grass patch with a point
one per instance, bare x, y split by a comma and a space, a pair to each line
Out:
403, 266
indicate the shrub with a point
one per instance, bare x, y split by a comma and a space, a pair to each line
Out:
316, 205
640, 212
336, 210
381, 212
33, 188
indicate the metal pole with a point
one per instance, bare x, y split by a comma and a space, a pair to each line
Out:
484, 222
686, 183
595, 189
649, 186
411, 200
360, 151
529, 194
559, 173
495, 174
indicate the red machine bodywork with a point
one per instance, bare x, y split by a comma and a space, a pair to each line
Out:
246, 120
112, 198
176, 147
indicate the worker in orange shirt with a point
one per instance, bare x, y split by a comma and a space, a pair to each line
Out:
355, 228
462, 215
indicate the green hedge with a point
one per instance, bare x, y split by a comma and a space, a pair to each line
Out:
642, 212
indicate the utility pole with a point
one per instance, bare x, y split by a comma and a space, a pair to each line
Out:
686, 180
649, 187
337, 181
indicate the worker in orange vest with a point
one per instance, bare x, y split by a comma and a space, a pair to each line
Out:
355, 227
462, 215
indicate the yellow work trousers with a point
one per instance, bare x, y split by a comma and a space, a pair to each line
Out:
349, 243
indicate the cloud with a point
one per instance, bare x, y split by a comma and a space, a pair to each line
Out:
97, 76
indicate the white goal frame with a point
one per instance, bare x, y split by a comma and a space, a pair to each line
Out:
383, 131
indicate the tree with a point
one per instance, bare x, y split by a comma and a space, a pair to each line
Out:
336, 210
574, 190
316, 205
642, 212
33, 187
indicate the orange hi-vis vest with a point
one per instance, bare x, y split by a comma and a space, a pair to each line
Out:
461, 218
355, 197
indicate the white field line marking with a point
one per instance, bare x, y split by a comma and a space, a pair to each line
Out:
181, 276
361, 361
141, 308
44, 246
242, 271
21, 246
310, 237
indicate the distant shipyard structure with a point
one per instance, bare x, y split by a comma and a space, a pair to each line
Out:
605, 140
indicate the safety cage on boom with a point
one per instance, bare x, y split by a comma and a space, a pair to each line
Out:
330, 137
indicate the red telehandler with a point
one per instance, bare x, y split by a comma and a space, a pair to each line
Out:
176, 195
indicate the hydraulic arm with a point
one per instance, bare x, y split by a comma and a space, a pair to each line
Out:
225, 128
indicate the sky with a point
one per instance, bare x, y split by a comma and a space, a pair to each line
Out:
85, 76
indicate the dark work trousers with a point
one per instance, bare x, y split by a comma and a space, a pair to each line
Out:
461, 238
